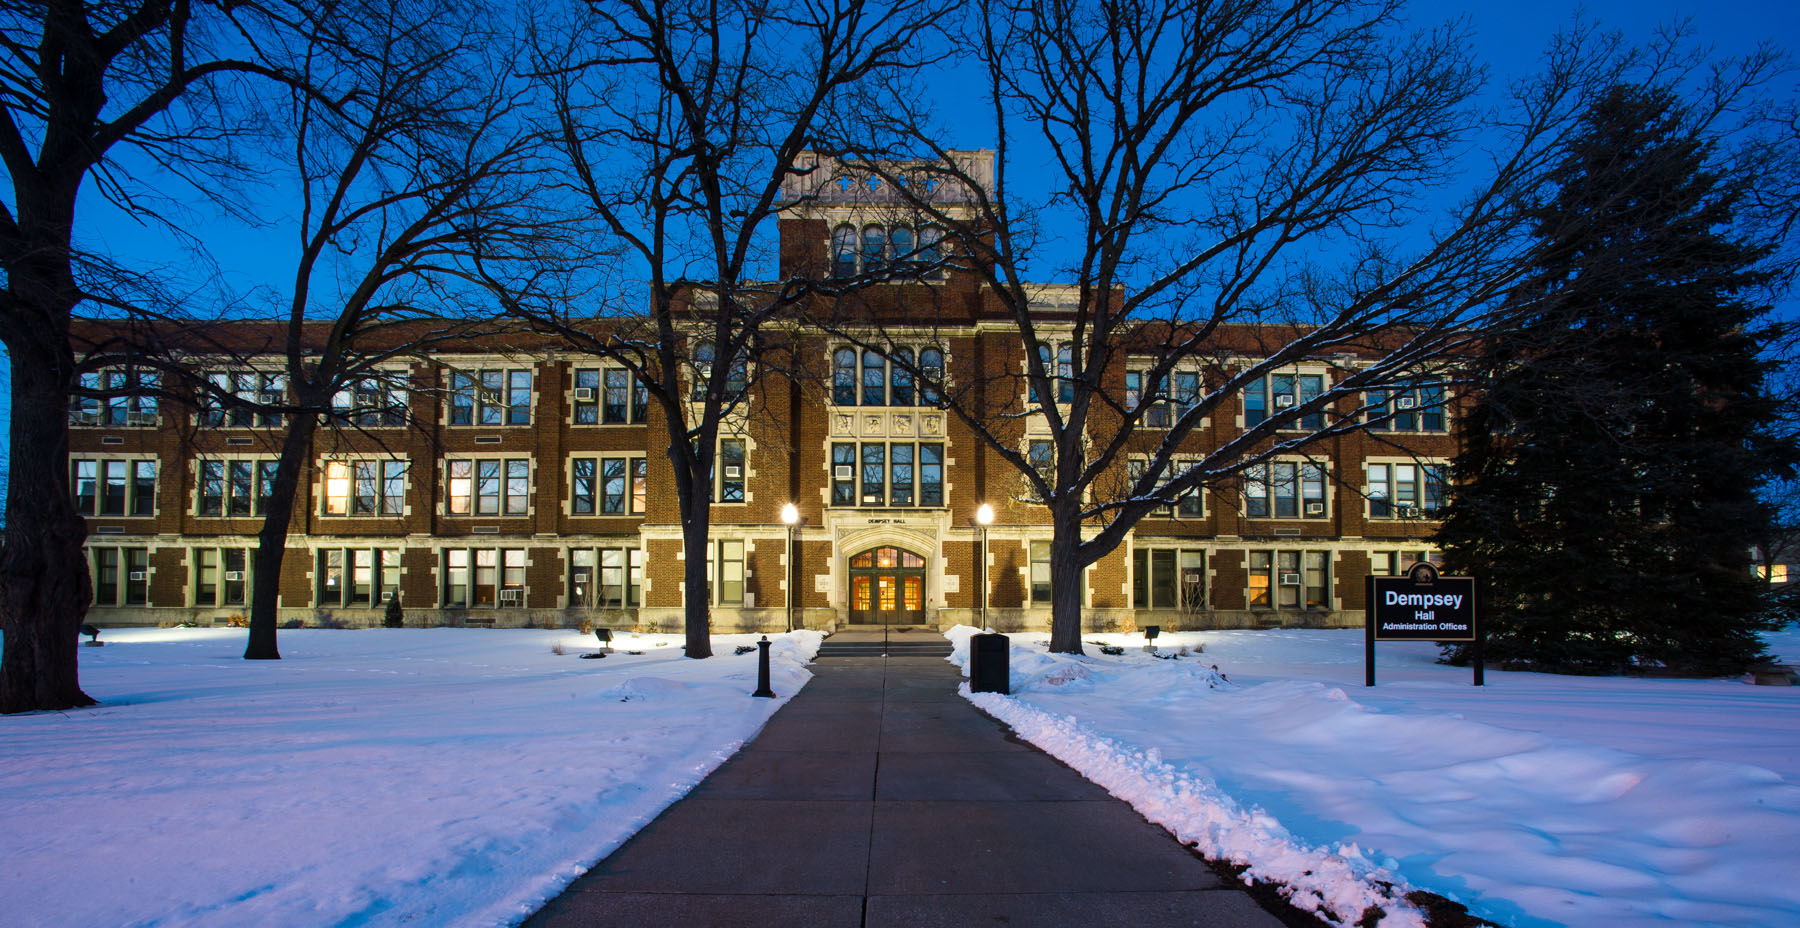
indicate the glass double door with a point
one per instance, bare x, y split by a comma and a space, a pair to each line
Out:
887, 587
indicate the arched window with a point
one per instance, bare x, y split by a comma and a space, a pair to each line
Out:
875, 253
843, 377
900, 379
901, 241
930, 242
874, 379
843, 251
931, 364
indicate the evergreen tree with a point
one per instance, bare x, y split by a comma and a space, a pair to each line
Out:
1607, 488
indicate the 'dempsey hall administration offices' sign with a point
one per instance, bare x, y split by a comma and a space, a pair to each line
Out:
1421, 606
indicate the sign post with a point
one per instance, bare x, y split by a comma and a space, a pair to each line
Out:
1420, 606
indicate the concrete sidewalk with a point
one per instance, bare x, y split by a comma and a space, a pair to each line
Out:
880, 797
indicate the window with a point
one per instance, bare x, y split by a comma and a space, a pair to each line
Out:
872, 378
1059, 366
235, 488
1168, 578
1289, 580
488, 486
728, 572
484, 577
490, 397
121, 576
608, 486
113, 487
365, 488
736, 380
130, 398
876, 249
1275, 395
1418, 408
607, 577
1284, 490
897, 474
843, 251
609, 396
221, 576
1138, 392
730, 470
371, 402
1041, 455
1397, 563
244, 388
1189, 505
1040, 573
357, 578
1406, 491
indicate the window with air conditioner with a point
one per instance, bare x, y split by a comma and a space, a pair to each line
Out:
1406, 490
1285, 490
1288, 579
1417, 407
115, 397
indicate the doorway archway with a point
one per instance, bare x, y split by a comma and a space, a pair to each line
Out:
887, 587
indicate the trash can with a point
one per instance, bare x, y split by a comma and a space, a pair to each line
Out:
988, 664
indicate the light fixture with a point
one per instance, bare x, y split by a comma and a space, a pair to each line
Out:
985, 514
789, 513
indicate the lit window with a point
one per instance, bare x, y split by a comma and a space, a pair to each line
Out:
488, 487
1289, 580
365, 488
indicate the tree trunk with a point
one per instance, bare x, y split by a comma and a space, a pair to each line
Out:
44, 586
696, 604
272, 539
1066, 582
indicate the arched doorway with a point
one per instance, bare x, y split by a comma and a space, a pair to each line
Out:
887, 587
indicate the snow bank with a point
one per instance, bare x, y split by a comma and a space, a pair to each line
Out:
437, 776
1536, 800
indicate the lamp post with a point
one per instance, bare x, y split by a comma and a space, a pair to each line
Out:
791, 515
983, 516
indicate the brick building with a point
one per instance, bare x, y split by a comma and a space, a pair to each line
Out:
519, 484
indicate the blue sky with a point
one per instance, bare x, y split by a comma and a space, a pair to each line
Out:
1509, 35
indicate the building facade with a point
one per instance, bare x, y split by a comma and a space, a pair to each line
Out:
517, 484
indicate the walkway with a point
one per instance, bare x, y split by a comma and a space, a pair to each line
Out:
879, 797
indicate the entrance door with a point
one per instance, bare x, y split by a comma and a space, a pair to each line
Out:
887, 587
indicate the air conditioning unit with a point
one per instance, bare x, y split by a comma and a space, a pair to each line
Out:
1290, 579
272, 398
843, 472
87, 417
733, 472
1409, 512
387, 595
1284, 401
581, 576
512, 597
1315, 509
584, 394
138, 575
140, 418
233, 576
1405, 402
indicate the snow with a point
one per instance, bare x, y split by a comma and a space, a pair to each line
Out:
1535, 800
437, 776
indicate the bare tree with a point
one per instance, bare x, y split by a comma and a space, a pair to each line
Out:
416, 170
1241, 186
681, 122
88, 88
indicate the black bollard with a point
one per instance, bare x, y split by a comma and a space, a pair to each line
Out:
762, 669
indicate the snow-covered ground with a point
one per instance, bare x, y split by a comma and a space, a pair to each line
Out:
1535, 800
381, 776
